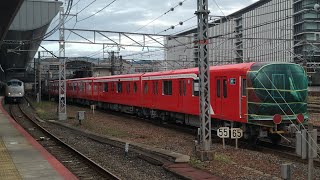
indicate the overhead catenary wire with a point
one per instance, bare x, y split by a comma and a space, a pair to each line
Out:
97, 11
171, 9
179, 24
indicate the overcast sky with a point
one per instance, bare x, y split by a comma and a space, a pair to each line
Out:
129, 16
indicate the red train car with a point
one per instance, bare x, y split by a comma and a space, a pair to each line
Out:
246, 95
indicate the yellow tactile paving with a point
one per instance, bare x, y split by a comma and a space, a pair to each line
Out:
7, 168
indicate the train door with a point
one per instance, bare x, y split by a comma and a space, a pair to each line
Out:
220, 96
243, 97
155, 93
182, 93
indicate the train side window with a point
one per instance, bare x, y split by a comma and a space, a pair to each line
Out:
167, 87
106, 88
155, 87
81, 87
128, 87
112, 86
135, 87
180, 87
196, 87
225, 88
218, 88
119, 87
95, 87
244, 86
184, 87
145, 88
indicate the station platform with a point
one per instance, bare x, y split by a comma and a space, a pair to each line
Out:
22, 157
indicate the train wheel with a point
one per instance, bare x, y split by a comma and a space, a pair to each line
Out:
275, 138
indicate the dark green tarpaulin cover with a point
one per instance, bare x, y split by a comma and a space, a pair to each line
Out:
279, 88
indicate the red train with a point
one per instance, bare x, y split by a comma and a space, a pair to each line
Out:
246, 95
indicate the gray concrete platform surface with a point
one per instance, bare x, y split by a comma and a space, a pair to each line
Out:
22, 157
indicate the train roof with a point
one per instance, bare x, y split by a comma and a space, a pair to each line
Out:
232, 67
220, 68
119, 76
14, 80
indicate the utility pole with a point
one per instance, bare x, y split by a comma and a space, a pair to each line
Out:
48, 85
112, 63
62, 114
121, 65
103, 52
35, 77
196, 51
39, 76
310, 151
202, 12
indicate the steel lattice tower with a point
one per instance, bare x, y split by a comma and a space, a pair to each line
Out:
62, 73
204, 74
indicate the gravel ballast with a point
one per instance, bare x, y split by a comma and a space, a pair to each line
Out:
228, 163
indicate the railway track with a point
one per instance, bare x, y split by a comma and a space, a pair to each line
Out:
80, 165
314, 107
264, 146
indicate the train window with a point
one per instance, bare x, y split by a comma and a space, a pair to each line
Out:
95, 87
218, 88
14, 83
184, 87
145, 88
155, 87
225, 88
135, 87
119, 87
195, 86
81, 86
105, 87
167, 87
112, 86
180, 87
244, 86
128, 87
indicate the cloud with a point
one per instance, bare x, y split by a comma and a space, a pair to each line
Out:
129, 16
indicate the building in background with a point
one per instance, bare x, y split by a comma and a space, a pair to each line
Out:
268, 30
306, 28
